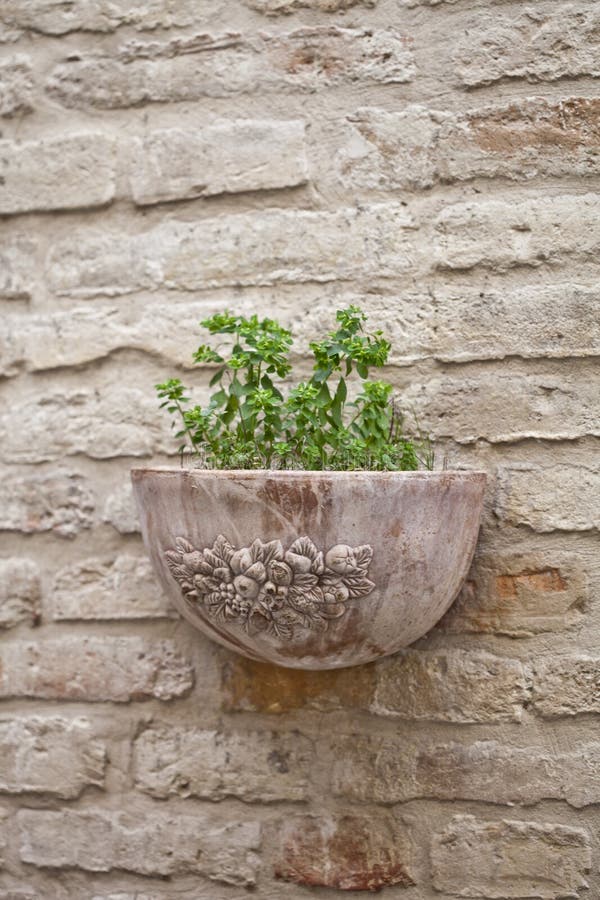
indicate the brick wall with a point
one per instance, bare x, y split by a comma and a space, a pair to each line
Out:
437, 162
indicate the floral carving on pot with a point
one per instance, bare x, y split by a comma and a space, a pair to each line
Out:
267, 588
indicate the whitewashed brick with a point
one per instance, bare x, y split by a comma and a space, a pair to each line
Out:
61, 502
17, 268
116, 669
149, 842
501, 234
399, 769
49, 755
470, 408
510, 859
20, 592
68, 172
119, 422
520, 595
16, 86
229, 64
49, 17
275, 246
256, 766
285, 7
352, 852
561, 498
120, 511
95, 589
451, 686
567, 685
543, 45
420, 147
247, 155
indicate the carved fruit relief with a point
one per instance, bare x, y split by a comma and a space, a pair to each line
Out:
266, 588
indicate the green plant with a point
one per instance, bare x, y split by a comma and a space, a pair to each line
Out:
249, 423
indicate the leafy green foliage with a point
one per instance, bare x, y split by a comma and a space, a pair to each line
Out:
250, 424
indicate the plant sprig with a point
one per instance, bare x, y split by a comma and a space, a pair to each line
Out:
250, 424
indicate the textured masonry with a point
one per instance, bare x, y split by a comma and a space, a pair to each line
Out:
435, 162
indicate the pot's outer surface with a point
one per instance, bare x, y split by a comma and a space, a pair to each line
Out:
396, 548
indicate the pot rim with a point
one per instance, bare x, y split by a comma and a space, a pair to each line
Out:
476, 474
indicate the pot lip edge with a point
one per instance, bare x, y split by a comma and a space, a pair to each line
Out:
137, 471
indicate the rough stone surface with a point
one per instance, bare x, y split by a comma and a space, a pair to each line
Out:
254, 766
230, 158
520, 595
16, 86
160, 844
501, 234
395, 770
20, 592
60, 502
561, 498
567, 685
94, 669
537, 46
98, 589
349, 853
452, 686
102, 424
54, 756
70, 172
220, 66
510, 859
120, 512
469, 408
48, 17
17, 280
420, 147
285, 7
276, 246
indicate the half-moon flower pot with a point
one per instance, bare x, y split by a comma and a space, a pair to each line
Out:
312, 570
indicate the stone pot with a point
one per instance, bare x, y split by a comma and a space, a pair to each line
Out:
311, 570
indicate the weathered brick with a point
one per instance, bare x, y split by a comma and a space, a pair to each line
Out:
106, 424
420, 147
17, 264
256, 766
247, 155
510, 859
125, 588
4, 831
52, 18
58, 501
68, 172
120, 511
539, 45
349, 853
452, 686
285, 7
459, 323
560, 498
149, 842
504, 234
270, 247
249, 686
20, 592
219, 66
49, 755
566, 685
16, 86
469, 407
115, 669
396, 770
519, 595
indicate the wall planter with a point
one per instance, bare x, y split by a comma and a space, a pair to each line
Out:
311, 570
